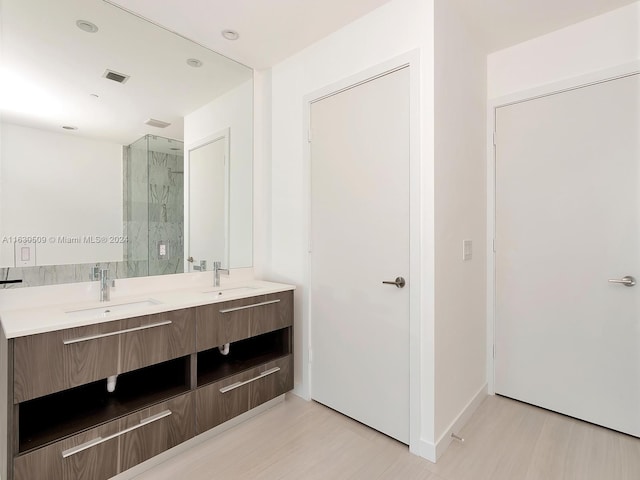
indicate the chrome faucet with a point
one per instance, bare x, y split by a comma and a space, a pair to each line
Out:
216, 273
105, 293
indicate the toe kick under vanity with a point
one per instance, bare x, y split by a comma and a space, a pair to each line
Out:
181, 367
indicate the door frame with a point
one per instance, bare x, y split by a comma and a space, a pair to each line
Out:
574, 83
416, 248
220, 135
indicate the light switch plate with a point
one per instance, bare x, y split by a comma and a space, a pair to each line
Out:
467, 250
25, 254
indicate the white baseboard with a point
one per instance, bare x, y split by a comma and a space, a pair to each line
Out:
427, 450
461, 420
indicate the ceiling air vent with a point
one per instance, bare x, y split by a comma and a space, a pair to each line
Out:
115, 76
152, 122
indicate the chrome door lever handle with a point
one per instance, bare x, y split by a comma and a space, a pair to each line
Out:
627, 281
399, 282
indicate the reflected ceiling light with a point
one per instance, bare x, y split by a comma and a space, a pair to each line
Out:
230, 34
87, 26
194, 62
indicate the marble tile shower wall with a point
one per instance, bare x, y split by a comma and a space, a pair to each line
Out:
135, 205
153, 212
166, 213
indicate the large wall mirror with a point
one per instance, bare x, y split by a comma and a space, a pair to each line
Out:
107, 123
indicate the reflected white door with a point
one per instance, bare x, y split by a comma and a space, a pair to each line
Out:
360, 238
567, 221
208, 206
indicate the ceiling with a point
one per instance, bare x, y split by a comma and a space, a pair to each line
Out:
52, 71
50, 68
503, 23
272, 30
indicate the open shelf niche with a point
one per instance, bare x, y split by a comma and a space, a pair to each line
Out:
47, 419
243, 355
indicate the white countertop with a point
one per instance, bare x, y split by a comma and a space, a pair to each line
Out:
19, 322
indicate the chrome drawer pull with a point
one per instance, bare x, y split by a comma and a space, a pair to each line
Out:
233, 386
99, 440
253, 305
119, 332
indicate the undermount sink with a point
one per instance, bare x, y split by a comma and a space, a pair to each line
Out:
230, 291
107, 309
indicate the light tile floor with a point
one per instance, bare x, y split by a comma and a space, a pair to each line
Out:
504, 440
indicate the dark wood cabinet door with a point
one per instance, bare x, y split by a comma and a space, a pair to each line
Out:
222, 323
275, 312
235, 320
156, 429
272, 385
87, 359
38, 365
221, 401
81, 457
156, 338
50, 362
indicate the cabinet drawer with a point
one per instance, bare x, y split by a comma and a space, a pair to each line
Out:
51, 362
169, 430
105, 451
47, 362
272, 316
269, 387
156, 338
235, 320
221, 401
59, 462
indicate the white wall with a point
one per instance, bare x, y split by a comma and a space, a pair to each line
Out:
60, 185
262, 172
599, 43
233, 110
460, 213
394, 29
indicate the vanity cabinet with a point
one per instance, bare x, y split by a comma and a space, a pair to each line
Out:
173, 383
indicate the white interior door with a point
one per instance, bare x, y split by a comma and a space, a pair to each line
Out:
567, 221
208, 203
360, 238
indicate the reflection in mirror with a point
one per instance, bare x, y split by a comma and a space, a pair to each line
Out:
96, 105
209, 202
154, 206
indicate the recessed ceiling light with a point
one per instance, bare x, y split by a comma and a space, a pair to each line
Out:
230, 34
194, 62
69, 127
87, 26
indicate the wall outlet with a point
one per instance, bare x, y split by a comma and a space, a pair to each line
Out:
467, 250
162, 250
